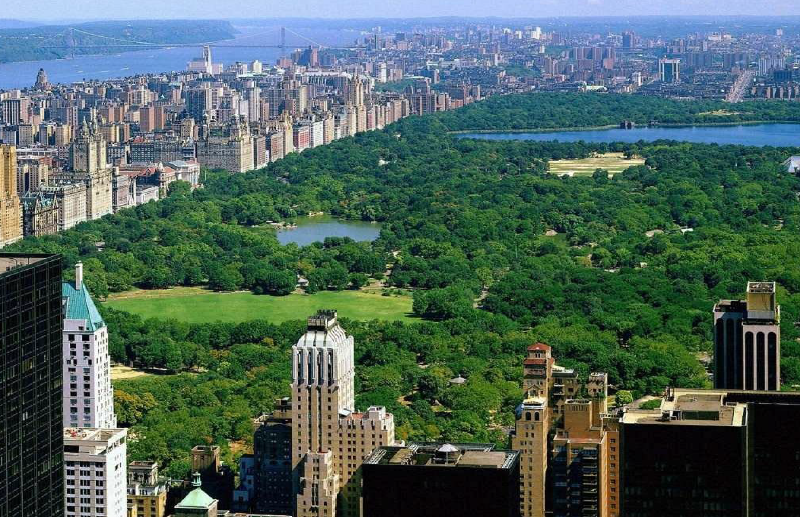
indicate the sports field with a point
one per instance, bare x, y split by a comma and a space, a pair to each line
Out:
195, 305
614, 163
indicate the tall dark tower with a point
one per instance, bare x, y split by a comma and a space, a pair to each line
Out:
31, 442
747, 340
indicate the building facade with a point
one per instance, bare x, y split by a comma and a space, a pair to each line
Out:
88, 394
272, 462
330, 441
95, 472
10, 211
747, 340
433, 480
31, 473
39, 214
147, 493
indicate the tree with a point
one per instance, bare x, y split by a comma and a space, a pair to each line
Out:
623, 398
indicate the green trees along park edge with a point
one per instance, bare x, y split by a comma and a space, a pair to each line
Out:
468, 225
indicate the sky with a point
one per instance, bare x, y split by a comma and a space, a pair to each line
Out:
125, 9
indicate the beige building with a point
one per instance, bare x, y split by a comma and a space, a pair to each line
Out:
329, 440
71, 199
147, 494
229, 148
10, 210
39, 214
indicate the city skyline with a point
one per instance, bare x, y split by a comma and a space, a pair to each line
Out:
55, 11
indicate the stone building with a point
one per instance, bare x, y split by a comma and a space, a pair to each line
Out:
147, 493
90, 167
329, 439
229, 148
39, 214
71, 200
10, 211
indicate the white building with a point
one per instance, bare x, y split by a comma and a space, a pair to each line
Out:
88, 394
95, 472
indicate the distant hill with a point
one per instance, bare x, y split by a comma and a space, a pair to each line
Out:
15, 24
42, 42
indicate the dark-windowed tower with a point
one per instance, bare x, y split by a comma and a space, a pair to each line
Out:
747, 340
31, 441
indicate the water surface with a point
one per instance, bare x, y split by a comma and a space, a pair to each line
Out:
778, 135
315, 229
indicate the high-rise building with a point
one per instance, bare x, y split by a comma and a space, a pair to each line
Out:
88, 394
747, 340
95, 463
669, 70
90, 167
690, 457
433, 480
272, 455
41, 80
31, 444
329, 439
10, 209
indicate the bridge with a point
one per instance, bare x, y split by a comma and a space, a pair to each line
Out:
131, 45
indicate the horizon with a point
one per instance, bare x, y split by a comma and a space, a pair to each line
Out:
56, 11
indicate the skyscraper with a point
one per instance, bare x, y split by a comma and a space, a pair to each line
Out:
31, 444
669, 70
95, 462
10, 211
747, 340
329, 439
88, 394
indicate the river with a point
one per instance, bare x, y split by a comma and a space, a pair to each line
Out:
314, 229
778, 135
157, 60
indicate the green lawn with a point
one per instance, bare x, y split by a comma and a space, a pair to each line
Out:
614, 163
195, 305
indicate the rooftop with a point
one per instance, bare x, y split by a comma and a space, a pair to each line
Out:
691, 407
78, 305
459, 455
761, 287
9, 261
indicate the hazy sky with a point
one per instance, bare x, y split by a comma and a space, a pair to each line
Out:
127, 9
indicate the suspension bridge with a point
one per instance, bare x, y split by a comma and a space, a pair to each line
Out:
131, 45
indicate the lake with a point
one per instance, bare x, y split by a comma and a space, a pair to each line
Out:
159, 60
314, 229
778, 135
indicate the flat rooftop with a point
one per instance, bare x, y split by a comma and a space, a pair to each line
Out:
460, 455
9, 261
692, 407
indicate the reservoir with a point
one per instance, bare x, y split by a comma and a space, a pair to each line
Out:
315, 229
777, 135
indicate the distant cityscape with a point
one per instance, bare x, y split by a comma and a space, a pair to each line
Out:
72, 153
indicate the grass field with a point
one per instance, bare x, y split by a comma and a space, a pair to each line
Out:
614, 163
195, 305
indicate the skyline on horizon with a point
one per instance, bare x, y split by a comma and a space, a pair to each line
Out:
56, 11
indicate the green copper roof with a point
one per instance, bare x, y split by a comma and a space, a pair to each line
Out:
78, 305
196, 499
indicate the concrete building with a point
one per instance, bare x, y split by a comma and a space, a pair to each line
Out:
95, 472
433, 480
329, 439
229, 148
272, 461
32, 172
88, 394
669, 70
147, 494
747, 340
90, 167
10, 210
31, 472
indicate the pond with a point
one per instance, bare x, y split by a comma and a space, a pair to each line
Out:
314, 229
778, 135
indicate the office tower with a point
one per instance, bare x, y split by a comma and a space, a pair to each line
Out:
31, 444
198, 103
690, 457
330, 440
747, 340
10, 211
147, 493
669, 70
432, 480
272, 454
197, 503
628, 39
94, 472
88, 394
